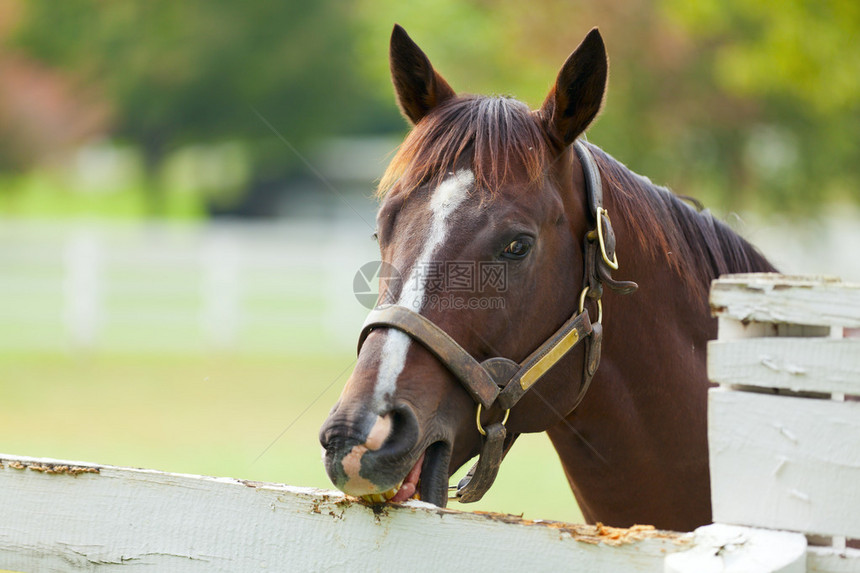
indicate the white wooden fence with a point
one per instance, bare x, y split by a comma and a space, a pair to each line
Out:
785, 460
261, 287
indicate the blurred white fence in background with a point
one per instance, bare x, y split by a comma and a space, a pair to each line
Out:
250, 287
278, 287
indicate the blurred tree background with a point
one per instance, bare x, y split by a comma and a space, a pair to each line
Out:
744, 104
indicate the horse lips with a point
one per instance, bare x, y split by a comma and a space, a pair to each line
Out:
410, 484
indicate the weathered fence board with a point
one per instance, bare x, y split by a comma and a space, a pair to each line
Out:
828, 560
816, 301
58, 516
785, 463
799, 364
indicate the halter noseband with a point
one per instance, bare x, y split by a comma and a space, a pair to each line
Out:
501, 381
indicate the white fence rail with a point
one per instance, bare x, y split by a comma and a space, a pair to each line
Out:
259, 287
784, 432
179, 288
62, 517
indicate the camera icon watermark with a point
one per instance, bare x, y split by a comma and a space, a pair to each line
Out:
372, 278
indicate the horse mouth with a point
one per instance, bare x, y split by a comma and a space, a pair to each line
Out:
426, 481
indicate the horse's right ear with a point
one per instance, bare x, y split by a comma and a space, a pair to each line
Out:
576, 98
418, 86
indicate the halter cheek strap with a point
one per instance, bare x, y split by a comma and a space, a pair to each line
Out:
501, 381
474, 378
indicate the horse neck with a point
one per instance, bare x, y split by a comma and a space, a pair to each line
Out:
673, 253
635, 451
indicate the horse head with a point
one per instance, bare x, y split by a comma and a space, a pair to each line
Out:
483, 215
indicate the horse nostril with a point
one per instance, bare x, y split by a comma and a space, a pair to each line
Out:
379, 432
404, 431
337, 433
390, 434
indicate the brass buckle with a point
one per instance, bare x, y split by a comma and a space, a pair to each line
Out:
478, 419
599, 305
613, 264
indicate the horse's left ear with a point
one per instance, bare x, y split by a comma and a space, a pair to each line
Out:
575, 100
418, 86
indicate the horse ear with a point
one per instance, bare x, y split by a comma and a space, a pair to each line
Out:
576, 98
418, 86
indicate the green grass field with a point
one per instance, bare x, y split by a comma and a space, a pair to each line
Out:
248, 417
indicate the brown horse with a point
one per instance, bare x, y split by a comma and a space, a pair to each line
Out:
497, 219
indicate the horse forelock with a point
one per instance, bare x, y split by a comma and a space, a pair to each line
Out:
499, 138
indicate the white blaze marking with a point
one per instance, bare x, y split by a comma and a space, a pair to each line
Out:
446, 198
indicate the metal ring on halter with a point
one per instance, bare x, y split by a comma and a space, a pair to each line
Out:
478, 419
613, 264
599, 305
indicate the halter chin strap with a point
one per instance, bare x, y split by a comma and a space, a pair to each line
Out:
501, 381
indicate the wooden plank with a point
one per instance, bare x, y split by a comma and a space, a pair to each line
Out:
828, 560
799, 364
721, 547
62, 516
767, 297
785, 462
732, 329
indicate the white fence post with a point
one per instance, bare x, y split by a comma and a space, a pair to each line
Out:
343, 313
220, 290
83, 288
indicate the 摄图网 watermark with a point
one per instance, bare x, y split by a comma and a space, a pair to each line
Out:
443, 285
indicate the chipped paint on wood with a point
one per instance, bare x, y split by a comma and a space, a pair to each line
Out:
121, 518
52, 469
777, 461
722, 548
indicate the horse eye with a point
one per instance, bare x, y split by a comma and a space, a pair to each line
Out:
518, 248
375, 237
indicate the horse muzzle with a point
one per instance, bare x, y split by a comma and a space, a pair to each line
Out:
382, 457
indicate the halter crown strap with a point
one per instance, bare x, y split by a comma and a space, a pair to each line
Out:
600, 256
593, 185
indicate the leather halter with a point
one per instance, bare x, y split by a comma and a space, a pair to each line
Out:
501, 381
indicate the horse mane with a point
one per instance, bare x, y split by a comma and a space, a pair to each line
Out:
500, 134
697, 246
496, 133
